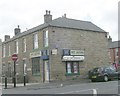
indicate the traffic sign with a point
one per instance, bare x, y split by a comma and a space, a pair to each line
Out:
14, 57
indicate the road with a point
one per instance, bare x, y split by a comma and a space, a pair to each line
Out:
110, 87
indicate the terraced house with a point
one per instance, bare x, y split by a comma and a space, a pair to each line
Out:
59, 49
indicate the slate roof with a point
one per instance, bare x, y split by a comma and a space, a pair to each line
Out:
115, 44
63, 22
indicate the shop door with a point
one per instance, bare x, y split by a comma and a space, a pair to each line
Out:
46, 71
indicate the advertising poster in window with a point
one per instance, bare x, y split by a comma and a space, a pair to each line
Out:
68, 67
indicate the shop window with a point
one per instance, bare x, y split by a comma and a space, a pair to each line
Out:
36, 66
72, 68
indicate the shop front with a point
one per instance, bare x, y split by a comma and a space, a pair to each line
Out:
72, 59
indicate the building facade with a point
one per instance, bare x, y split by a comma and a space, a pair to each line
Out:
59, 49
114, 50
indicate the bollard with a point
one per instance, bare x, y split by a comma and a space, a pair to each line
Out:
5, 82
14, 81
94, 92
24, 81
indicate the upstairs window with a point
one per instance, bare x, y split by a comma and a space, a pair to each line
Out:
9, 50
35, 41
24, 45
4, 51
45, 33
16, 47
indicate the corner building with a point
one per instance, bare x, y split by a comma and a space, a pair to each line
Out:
59, 49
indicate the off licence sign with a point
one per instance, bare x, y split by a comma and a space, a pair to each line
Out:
14, 57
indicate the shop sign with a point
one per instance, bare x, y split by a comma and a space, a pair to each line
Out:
35, 54
77, 52
45, 57
73, 58
54, 51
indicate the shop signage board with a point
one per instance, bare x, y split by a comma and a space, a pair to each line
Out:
35, 54
73, 58
77, 52
54, 51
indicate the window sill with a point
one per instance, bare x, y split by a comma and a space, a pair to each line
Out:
71, 74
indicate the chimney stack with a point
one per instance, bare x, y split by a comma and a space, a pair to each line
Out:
17, 31
7, 37
47, 17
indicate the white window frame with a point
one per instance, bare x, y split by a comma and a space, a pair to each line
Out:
4, 51
46, 44
24, 45
16, 47
35, 41
9, 50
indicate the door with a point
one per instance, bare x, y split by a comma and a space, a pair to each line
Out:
46, 71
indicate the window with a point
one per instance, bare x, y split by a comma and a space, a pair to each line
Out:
9, 52
16, 47
45, 38
35, 41
4, 51
24, 45
36, 66
116, 51
72, 68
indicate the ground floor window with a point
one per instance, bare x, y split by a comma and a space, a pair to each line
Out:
72, 67
36, 66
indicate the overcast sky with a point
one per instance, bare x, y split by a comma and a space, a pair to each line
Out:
29, 13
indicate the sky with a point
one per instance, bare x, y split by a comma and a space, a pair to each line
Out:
29, 13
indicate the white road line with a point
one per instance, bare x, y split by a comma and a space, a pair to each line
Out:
78, 91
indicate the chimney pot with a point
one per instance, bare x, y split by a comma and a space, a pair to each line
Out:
7, 37
17, 30
47, 17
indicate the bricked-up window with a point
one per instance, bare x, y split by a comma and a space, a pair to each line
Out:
4, 51
36, 66
16, 47
45, 36
35, 41
72, 67
24, 45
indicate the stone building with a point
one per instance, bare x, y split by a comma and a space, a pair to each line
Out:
59, 49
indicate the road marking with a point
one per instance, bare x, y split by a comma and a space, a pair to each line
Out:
93, 90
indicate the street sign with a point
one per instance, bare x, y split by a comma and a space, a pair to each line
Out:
14, 57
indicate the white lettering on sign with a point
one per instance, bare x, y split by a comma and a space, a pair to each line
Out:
35, 54
76, 52
73, 58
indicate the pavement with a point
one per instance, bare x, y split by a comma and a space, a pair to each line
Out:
52, 84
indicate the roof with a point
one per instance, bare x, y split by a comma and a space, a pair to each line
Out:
62, 22
76, 24
115, 44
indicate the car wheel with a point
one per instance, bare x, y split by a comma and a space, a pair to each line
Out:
105, 78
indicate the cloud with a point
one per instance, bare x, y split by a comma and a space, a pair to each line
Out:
29, 13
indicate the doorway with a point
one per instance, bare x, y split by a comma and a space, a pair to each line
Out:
46, 71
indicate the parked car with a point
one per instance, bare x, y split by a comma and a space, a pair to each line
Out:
103, 74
